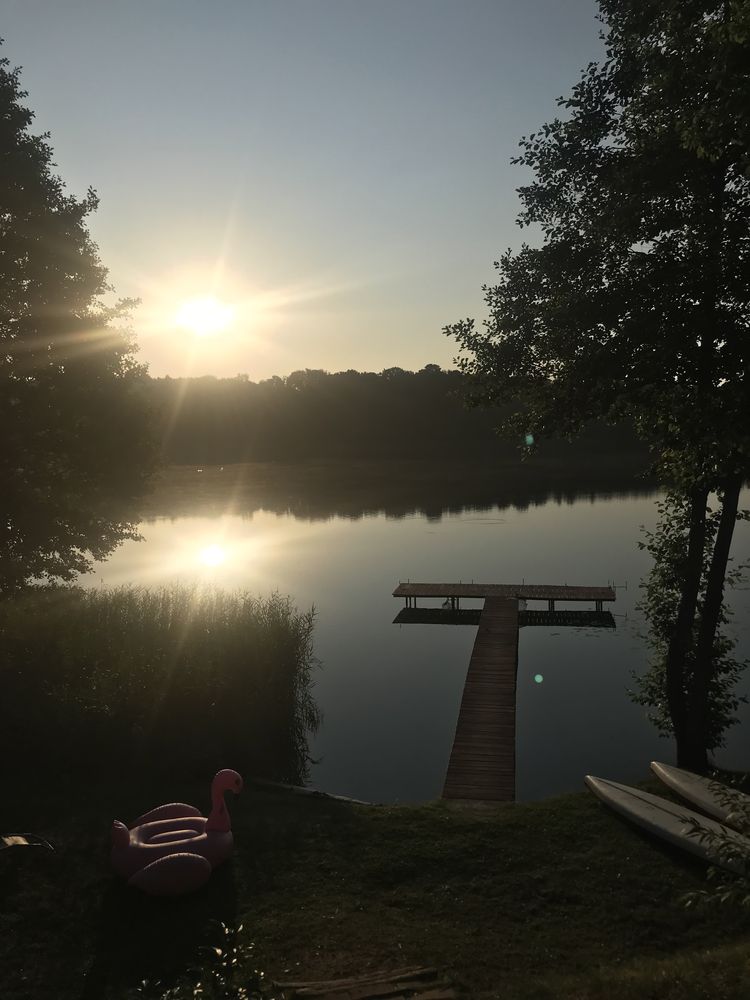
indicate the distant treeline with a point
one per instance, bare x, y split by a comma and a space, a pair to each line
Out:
353, 416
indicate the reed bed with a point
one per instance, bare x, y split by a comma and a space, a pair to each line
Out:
176, 676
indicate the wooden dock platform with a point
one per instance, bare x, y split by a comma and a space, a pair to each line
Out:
483, 759
518, 591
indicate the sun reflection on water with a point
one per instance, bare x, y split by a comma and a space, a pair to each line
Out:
258, 554
212, 555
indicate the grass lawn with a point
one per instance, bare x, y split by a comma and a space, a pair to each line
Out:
541, 900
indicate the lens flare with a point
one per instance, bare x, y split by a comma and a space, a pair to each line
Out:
538, 678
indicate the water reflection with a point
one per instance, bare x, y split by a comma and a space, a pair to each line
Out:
390, 695
213, 555
396, 489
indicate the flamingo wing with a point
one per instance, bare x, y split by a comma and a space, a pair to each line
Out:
172, 875
172, 810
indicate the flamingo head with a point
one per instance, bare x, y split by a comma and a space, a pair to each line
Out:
225, 781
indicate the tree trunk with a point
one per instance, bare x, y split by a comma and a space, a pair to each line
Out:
698, 697
681, 640
691, 748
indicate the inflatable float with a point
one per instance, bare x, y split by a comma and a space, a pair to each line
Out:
173, 849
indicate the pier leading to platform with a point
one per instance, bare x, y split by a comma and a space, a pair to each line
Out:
482, 764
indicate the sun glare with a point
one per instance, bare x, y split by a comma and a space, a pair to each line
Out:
212, 555
204, 316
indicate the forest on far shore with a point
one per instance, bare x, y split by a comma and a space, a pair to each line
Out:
351, 416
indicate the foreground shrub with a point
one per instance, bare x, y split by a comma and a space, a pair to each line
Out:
730, 883
228, 975
184, 676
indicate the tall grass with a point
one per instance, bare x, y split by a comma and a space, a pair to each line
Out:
191, 677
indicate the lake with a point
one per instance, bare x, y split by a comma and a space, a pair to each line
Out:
390, 693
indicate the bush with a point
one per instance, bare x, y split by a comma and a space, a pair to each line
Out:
193, 677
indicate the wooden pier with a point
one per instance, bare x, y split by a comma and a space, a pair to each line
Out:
483, 759
482, 764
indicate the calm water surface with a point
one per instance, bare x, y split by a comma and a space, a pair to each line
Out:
390, 694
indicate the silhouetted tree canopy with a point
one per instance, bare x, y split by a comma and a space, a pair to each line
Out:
637, 301
348, 416
74, 444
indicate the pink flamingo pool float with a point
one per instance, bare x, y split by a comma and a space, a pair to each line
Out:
173, 849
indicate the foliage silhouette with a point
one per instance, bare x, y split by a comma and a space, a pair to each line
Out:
349, 416
75, 441
730, 882
661, 595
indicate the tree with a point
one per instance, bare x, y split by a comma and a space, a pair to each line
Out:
74, 432
636, 304
660, 603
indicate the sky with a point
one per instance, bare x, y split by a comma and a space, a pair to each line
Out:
329, 180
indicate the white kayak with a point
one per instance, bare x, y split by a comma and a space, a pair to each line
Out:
715, 799
668, 820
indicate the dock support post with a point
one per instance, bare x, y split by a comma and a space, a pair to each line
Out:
550, 605
599, 605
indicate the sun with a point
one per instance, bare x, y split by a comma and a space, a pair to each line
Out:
204, 316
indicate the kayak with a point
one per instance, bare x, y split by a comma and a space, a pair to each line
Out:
670, 821
715, 799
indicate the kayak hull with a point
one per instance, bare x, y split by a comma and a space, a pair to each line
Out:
702, 792
669, 821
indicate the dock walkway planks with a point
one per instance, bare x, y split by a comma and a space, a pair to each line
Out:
483, 759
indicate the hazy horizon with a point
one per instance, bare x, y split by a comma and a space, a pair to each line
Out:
335, 174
